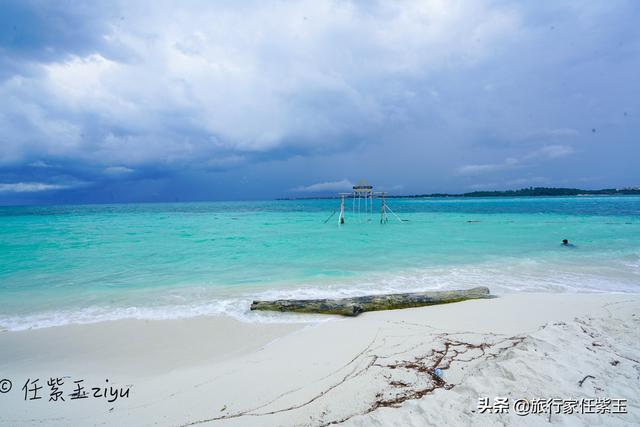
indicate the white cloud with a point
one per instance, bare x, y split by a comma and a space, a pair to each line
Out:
118, 170
39, 164
509, 163
30, 187
551, 152
343, 185
79, 80
544, 153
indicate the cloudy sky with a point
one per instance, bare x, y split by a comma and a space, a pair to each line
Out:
221, 100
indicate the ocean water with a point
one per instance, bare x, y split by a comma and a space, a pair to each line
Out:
77, 264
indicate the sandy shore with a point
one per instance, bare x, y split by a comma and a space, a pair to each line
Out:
377, 369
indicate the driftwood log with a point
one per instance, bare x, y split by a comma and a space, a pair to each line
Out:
357, 305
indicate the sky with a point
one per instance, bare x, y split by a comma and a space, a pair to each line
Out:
131, 101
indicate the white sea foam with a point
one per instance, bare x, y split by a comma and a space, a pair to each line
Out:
236, 308
517, 275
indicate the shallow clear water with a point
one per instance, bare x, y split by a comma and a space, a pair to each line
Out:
61, 264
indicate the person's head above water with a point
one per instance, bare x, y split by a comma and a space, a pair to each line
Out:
565, 242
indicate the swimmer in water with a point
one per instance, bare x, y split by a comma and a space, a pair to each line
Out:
565, 242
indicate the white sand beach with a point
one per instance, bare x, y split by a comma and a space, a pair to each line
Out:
375, 369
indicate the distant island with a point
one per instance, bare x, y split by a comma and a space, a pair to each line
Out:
523, 192
536, 192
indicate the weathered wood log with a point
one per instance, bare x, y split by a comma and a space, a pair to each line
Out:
357, 305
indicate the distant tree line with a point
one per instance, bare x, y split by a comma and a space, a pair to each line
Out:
536, 191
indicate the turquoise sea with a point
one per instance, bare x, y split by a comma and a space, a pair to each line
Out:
86, 263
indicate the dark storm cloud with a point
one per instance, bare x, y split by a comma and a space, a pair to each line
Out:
32, 32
